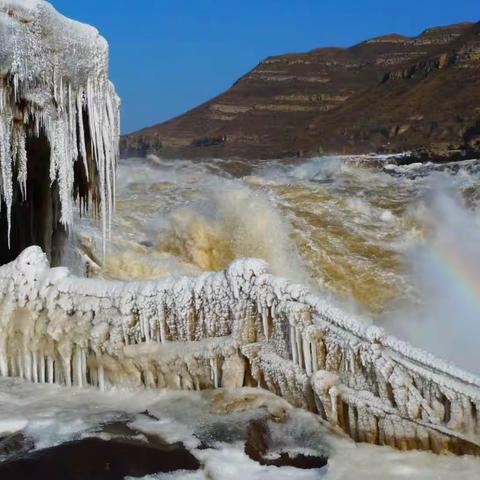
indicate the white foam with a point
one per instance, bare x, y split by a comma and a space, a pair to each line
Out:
47, 408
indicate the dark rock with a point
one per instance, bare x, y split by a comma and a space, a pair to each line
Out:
14, 446
146, 413
257, 445
95, 459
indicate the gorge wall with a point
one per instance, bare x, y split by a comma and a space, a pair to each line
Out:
388, 94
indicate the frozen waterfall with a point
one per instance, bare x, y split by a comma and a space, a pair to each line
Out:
59, 124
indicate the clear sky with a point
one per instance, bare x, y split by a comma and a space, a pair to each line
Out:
168, 56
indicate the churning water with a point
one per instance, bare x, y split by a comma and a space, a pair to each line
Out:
397, 245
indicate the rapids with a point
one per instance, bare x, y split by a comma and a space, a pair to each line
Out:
396, 245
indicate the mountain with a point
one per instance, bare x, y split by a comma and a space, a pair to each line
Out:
387, 94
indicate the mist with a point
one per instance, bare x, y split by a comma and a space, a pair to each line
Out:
444, 317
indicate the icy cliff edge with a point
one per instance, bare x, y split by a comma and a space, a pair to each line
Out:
54, 84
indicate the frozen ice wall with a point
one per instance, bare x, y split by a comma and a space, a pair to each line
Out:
240, 327
59, 125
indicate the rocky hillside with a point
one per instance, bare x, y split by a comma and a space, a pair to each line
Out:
387, 94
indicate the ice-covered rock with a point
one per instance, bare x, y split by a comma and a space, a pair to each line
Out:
55, 98
240, 327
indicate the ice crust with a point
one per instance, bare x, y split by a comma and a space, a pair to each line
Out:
240, 327
54, 82
55, 415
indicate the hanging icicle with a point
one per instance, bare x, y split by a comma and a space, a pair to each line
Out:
62, 94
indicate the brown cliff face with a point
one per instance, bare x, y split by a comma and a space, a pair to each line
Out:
391, 93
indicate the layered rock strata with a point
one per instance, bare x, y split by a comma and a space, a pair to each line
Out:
388, 94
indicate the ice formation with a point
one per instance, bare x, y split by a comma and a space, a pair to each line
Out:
54, 88
241, 327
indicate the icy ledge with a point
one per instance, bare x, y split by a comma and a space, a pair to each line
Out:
241, 327
54, 84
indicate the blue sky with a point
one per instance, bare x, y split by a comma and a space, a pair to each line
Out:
168, 56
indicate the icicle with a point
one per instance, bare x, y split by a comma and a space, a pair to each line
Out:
84, 366
27, 358
265, 322
293, 343
41, 100
20, 156
161, 321
215, 372
125, 331
142, 328
3, 359
79, 367
101, 378
41, 368
307, 356
35, 367
298, 338
67, 370
18, 365
6, 170
50, 370
313, 345
148, 331
94, 377
81, 132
